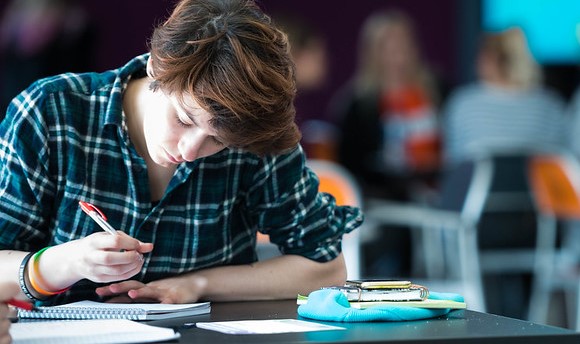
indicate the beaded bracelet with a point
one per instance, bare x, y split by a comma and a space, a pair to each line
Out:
22, 280
34, 271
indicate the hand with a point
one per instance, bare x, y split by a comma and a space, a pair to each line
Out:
182, 289
7, 291
101, 257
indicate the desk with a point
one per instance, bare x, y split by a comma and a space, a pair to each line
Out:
462, 326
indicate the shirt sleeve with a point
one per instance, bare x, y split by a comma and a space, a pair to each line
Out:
284, 203
24, 182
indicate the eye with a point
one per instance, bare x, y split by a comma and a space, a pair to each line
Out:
216, 141
181, 123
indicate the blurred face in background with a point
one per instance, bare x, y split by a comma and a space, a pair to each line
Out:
398, 50
311, 64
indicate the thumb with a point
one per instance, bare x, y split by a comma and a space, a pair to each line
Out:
8, 290
145, 247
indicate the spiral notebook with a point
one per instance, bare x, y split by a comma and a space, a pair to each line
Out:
131, 311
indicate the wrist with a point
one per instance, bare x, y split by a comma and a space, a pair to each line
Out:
45, 273
200, 286
61, 262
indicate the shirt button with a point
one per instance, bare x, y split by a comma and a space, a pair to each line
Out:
138, 169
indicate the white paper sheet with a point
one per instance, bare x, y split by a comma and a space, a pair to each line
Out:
265, 326
88, 331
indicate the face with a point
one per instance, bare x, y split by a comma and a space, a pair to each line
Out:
177, 132
398, 50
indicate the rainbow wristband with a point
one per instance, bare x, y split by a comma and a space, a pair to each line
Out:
22, 279
34, 271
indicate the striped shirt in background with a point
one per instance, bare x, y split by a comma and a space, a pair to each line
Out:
480, 119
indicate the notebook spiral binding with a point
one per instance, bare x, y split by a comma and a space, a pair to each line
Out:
74, 313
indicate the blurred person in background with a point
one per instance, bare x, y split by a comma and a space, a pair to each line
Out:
506, 114
40, 38
309, 51
507, 108
388, 126
388, 112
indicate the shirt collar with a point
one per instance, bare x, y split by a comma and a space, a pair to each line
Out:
114, 112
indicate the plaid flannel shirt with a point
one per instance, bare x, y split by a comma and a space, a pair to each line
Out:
64, 139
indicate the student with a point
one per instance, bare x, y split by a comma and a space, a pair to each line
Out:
7, 292
188, 150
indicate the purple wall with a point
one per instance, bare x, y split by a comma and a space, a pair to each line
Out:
123, 27
435, 22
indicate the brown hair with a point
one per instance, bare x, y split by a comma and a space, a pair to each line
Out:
236, 64
510, 52
370, 72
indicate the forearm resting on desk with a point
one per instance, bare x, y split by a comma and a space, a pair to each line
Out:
282, 277
99, 257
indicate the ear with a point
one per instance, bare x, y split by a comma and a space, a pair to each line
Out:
150, 68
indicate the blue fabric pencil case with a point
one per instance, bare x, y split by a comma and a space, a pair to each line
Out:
332, 305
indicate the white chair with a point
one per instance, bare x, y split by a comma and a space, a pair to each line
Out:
448, 237
448, 242
555, 181
439, 228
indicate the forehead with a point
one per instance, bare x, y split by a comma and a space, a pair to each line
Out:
187, 102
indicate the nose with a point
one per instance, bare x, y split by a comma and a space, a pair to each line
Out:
190, 146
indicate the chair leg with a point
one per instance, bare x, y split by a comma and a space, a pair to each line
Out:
577, 313
543, 269
470, 267
434, 252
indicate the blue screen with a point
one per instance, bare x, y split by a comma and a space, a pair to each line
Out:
552, 27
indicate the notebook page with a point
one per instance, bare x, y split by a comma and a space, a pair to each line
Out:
148, 307
132, 311
89, 332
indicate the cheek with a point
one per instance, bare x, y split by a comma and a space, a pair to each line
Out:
158, 128
151, 131
210, 148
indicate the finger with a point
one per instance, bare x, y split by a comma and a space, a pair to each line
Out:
111, 258
119, 288
8, 291
5, 339
121, 241
4, 325
120, 299
145, 247
146, 292
107, 274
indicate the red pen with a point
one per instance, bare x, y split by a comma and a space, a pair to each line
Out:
21, 304
97, 215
